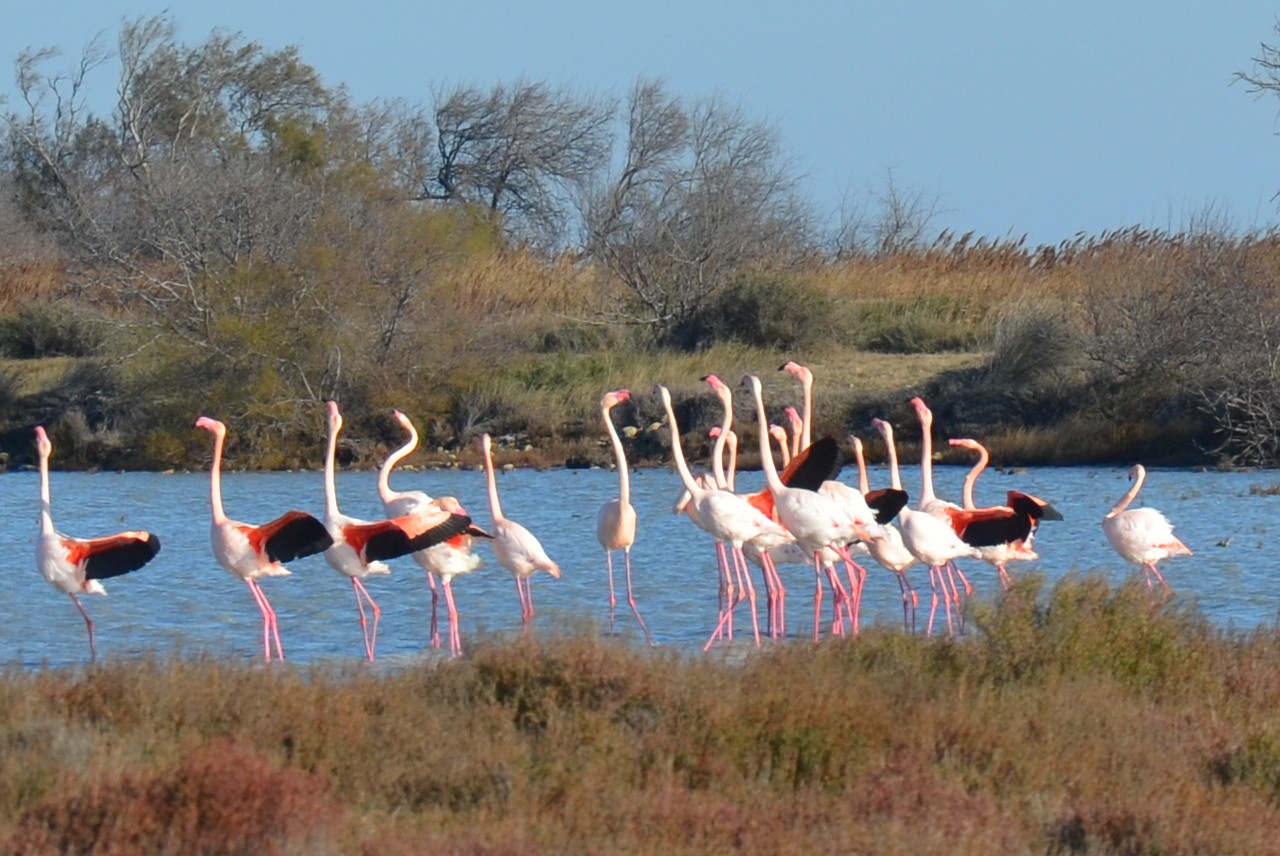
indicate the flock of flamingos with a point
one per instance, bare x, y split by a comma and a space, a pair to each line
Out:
803, 515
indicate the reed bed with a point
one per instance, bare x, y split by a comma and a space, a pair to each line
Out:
1082, 719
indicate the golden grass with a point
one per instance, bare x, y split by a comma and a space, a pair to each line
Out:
1085, 719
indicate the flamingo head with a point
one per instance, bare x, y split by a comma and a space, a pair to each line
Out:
486, 444
802, 373
922, 410
855, 443
212, 425
43, 446
335, 416
965, 443
614, 398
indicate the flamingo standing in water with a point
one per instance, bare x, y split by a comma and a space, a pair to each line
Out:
889, 551
726, 517
616, 520
1001, 533
930, 539
817, 521
360, 547
1142, 536
249, 552
76, 565
514, 546
450, 559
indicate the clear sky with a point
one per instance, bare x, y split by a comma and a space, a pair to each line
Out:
1044, 119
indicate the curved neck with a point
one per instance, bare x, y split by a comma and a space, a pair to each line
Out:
766, 459
495, 507
972, 478
624, 478
215, 479
864, 484
717, 452
384, 474
1140, 475
780, 437
731, 475
330, 490
677, 453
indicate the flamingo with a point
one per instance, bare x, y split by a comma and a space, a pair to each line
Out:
930, 539
805, 376
779, 434
1142, 536
515, 547
1001, 533
76, 565
616, 520
725, 516
776, 592
816, 521
889, 551
249, 552
451, 559
359, 547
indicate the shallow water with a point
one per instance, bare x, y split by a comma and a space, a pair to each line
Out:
184, 601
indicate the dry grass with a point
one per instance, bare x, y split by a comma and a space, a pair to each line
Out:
1081, 720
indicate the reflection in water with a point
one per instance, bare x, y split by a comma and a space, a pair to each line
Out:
185, 602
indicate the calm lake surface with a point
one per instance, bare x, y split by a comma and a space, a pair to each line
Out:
184, 602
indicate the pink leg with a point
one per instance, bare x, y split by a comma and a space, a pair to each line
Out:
740, 562
455, 635
726, 591
1159, 576
1005, 580
631, 598
817, 598
269, 626
371, 637
88, 623
840, 599
777, 596
909, 599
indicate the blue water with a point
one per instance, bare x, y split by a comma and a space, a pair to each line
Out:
184, 602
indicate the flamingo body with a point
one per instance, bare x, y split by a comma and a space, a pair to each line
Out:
75, 566
1142, 536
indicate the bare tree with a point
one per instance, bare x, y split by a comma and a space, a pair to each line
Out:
703, 196
888, 220
522, 152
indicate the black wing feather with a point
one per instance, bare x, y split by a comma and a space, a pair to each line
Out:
122, 559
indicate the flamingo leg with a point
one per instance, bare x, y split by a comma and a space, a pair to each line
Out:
371, 637
631, 598
270, 627
613, 600
88, 623
1159, 576
1005, 580
778, 597
817, 597
840, 598
455, 636
910, 600
435, 598
740, 562
726, 591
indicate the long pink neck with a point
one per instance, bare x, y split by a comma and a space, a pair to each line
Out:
330, 488
384, 474
766, 460
891, 451
717, 451
215, 479
46, 507
1140, 475
677, 453
624, 478
926, 460
864, 484
972, 478
495, 507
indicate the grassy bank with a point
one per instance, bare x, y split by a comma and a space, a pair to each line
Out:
1084, 719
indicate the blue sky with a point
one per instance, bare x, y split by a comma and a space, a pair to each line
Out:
1014, 117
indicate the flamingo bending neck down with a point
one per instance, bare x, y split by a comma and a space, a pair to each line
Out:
616, 520
1142, 536
249, 552
451, 559
514, 546
77, 565
360, 547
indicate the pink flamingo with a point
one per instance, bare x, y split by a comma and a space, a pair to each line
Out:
249, 552
616, 520
448, 560
76, 565
1142, 536
889, 551
514, 546
360, 547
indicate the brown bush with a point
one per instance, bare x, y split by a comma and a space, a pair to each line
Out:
222, 798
